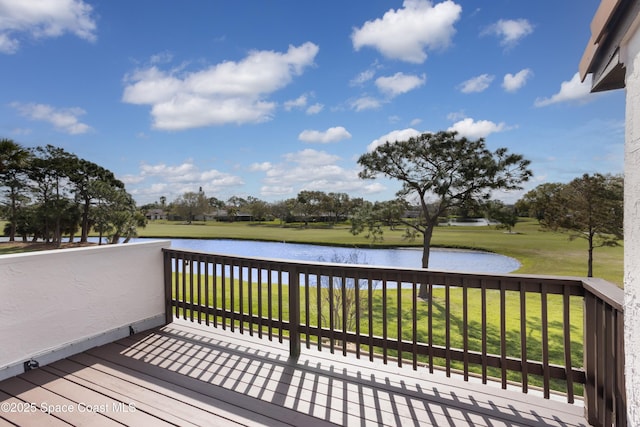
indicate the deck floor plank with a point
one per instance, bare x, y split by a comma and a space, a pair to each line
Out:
186, 373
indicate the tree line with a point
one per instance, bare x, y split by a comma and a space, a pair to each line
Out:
50, 193
307, 206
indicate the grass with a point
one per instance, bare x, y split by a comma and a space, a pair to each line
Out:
538, 251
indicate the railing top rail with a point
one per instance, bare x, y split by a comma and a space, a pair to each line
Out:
606, 291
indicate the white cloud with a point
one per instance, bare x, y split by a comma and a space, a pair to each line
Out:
63, 119
366, 103
312, 170
456, 115
399, 83
310, 157
394, 136
155, 180
473, 129
43, 19
513, 82
362, 78
333, 134
264, 166
476, 84
315, 108
275, 190
573, 90
299, 102
510, 31
406, 33
229, 92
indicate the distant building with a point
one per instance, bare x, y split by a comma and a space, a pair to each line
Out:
154, 214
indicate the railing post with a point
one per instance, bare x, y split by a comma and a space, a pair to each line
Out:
590, 357
168, 296
294, 314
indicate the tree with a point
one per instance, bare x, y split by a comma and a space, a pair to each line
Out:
50, 172
537, 201
443, 170
372, 216
258, 209
310, 204
234, 205
506, 216
591, 208
283, 210
14, 163
191, 205
81, 176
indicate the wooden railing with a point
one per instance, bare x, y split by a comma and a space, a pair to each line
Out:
554, 334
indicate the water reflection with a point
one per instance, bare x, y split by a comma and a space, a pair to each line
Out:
440, 259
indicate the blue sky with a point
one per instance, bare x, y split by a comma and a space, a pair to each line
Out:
268, 98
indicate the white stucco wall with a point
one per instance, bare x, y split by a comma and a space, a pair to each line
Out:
56, 303
631, 58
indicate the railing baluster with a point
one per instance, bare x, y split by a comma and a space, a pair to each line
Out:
223, 297
270, 303
399, 320
608, 352
430, 322
319, 309
483, 300
332, 326
185, 263
370, 316
191, 291
566, 328
250, 297
414, 318
241, 294
357, 279
344, 298
545, 340
280, 304
465, 332
206, 290
260, 312
503, 335
447, 328
523, 337
306, 309
385, 339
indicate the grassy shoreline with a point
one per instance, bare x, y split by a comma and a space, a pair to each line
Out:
539, 252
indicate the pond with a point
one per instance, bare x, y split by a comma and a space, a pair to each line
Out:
440, 259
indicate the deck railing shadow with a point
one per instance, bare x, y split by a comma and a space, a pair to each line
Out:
461, 326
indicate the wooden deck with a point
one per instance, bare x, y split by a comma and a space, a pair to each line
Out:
186, 374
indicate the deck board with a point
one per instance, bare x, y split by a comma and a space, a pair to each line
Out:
190, 374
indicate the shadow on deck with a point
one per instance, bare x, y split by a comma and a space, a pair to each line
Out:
188, 374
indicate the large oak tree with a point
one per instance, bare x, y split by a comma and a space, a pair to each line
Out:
441, 171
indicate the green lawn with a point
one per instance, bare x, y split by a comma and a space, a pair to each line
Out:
539, 252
